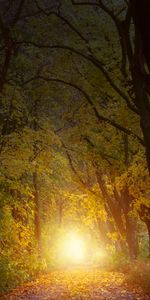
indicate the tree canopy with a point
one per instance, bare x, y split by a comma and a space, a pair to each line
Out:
74, 129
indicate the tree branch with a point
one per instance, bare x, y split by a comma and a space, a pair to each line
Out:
97, 114
84, 3
58, 15
81, 181
97, 63
104, 156
123, 32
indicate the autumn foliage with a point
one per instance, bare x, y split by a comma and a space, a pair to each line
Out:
74, 135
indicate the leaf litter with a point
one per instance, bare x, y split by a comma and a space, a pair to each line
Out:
77, 284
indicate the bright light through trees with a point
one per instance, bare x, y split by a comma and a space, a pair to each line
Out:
74, 248
77, 248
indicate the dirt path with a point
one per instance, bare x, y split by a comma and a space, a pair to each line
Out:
77, 285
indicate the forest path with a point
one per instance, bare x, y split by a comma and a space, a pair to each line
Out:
77, 285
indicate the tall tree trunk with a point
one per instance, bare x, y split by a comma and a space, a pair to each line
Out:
143, 105
37, 221
130, 222
144, 214
131, 236
148, 228
140, 13
113, 205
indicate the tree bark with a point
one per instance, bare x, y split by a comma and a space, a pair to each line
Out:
140, 13
113, 205
144, 214
130, 222
37, 221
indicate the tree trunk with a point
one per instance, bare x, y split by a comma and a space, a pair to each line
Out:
131, 236
143, 105
148, 228
113, 205
140, 13
131, 223
37, 221
144, 214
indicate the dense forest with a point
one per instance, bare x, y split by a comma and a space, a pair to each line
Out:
74, 133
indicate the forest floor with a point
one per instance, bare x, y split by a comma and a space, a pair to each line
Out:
77, 284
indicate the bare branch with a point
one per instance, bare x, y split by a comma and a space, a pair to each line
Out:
96, 62
87, 97
104, 156
63, 19
122, 28
71, 163
84, 3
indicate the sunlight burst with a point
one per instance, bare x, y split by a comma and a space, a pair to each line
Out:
74, 248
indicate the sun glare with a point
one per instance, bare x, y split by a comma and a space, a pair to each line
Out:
74, 248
